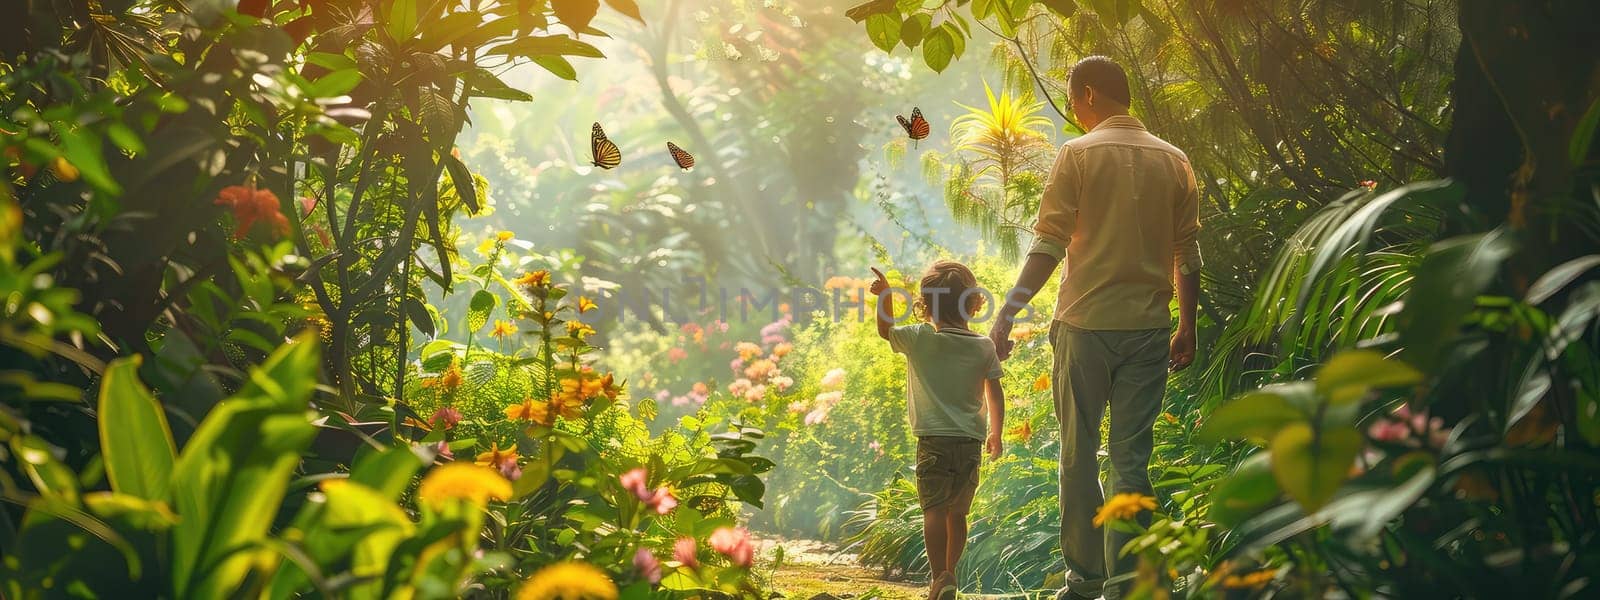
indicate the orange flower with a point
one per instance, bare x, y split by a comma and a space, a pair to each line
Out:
747, 350
250, 205
1023, 432
569, 406
530, 410
1042, 384
585, 304
782, 349
609, 387
579, 329
503, 329
535, 279
497, 458
447, 381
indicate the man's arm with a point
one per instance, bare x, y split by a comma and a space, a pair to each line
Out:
1052, 230
1181, 352
997, 415
1035, 271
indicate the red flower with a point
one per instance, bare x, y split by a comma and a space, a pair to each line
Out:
735, 544
249, 205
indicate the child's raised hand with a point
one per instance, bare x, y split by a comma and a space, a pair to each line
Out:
880, 284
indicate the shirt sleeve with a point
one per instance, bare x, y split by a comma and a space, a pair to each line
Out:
993, 371
902, 338
1058, 208
1186, 242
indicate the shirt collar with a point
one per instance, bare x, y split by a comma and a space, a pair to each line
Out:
957, 329
1120, 121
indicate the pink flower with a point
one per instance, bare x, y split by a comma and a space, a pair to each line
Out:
677, 354
739, 386
662, 395
684, 551
833, 380
1388, 431
782, 382
797, 407
442, 450
445, 418
722, 326
773, 339
816, 416
735, 544
775, 328
736, 364
636, 482
646, 565
680, 400
876, 447
662, 501
755, 393
828, 399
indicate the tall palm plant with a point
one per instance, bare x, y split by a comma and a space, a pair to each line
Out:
995, 175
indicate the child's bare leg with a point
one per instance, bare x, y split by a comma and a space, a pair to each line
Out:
956, 532
935, 536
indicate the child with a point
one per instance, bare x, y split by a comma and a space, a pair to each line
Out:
948, 371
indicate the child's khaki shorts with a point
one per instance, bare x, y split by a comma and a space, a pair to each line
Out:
947, 471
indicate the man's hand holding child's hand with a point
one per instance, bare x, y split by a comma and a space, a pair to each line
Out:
994, 445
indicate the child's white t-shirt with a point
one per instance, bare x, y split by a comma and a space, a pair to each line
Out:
945, 371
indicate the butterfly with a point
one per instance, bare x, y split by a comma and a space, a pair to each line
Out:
684, 159
606, 154
917, 128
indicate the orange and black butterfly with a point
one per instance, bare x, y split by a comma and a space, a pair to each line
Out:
916, 128
684, 159
606, 154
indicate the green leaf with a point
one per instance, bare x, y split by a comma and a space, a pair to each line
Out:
1583, 135
388, 472
1065, 8
1443, 293
575, 14
626, 7
884, 31
1245, 492
915, 28
1557, 278
557, 65
549, 45
402, 19
483, 302
487, 85
861, 12
938, 49
981, 9
1257, 415
232, 475
449, 29
1310, 467
466, 187
135, 439
337, 83
1349, 375
419, 316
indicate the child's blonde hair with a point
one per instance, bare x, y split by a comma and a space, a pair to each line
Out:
943, 288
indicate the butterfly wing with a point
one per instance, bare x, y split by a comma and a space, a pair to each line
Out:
918, 128
904, 124
606, 154
684, 159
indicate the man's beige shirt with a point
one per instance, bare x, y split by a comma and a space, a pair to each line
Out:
1122, 209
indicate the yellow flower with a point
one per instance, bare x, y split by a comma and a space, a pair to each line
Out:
503, 328
1042, 384
486, 248
464, 481
579, 329
568, 580
1249, 580
63, 170
747, 350
504, 236
782, 349
534, 279
530, 410
1123, 506
495, 455
585, 304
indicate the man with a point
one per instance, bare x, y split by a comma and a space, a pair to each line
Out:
1121, 208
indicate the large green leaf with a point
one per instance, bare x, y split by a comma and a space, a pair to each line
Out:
483, 302
232, 475
1310, 465
1257, 415
915, 28
549, 45
575, 14
1447, 284
135, 440
402, 19
1244, 492
884, 30
860, 12
937, 49
1349, 375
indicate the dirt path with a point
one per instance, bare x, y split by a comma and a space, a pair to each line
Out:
806, 569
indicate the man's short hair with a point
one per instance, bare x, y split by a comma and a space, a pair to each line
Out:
1104, 75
